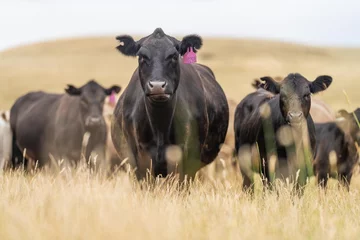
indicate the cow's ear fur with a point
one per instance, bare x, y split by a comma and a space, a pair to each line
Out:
73, 91
127, 46
270, 85
114, 88
257, 84
193, 41
3, 115
343, 113
320, 84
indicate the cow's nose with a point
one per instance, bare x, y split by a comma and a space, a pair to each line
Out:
294, 116
93, 121
157, 87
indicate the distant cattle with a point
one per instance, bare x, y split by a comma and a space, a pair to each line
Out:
112, 156
5, 140
319, 110
337, 153
46, 125
278, 127
169, 105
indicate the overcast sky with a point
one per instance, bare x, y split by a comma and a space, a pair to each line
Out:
314, 22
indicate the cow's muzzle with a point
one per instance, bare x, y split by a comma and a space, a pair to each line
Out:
92, 122
156, 91
295, 118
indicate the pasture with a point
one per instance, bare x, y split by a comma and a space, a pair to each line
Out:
76, 205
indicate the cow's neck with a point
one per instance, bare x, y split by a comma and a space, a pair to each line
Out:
160, 116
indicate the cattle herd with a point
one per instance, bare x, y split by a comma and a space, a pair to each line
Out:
173, 117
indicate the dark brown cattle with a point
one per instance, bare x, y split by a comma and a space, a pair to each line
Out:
169, 103
279, 125
55, 124
336, 154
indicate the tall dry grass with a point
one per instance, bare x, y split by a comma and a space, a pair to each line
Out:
79, 205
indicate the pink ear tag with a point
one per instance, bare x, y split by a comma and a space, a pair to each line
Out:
112, 99
189, 56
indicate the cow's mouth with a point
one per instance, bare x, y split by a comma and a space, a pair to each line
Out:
159, 97
295, 123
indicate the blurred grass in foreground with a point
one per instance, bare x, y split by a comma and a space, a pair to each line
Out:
78, 205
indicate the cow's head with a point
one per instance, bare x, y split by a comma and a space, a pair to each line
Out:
92, 97
352, 123
295, 94
158, 57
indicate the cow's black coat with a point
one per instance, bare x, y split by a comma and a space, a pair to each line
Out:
168, 103
288, 107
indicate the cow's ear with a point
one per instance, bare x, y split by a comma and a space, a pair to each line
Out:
193, 41
343, 113
114, 88
73, 91
3, 116
269, 85
127, 46
257, 84
320, 84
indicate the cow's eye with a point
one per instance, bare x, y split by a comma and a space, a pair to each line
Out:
175, 58
144, 60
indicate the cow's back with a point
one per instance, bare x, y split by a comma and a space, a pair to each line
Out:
321, 112
247, 120
30, 118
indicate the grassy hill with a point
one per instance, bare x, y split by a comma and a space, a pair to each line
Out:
51, 65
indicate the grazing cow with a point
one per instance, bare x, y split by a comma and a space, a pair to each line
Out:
260, 116
319, 110
167, 103
55, 124
5, 140
336, 150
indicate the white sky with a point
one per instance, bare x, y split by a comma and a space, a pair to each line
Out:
315, 22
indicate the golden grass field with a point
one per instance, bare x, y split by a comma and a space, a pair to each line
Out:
77, 205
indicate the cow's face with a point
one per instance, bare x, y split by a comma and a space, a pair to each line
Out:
158, 58
295, 91
92, 97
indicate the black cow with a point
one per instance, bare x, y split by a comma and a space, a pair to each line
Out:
54, 124
168, 103
260, 115
336, 154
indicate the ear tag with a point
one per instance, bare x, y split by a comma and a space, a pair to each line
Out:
112, 99
189, 56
